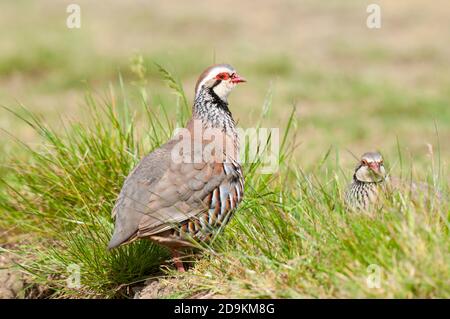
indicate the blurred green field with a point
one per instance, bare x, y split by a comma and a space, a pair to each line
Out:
354, 90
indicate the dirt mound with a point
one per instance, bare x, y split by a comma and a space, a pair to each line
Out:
167, 288
11, 280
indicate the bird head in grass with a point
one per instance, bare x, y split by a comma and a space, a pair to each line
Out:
219, 80
370, 169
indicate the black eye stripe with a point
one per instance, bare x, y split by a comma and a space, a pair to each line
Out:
216, 84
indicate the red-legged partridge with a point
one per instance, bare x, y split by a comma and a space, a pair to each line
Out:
371, 181
172, 201
368, 180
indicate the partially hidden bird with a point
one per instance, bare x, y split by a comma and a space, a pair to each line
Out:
371, 183
369, 179
187, 189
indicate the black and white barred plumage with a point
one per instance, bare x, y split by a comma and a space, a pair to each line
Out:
214, 111
368, 182
361, 195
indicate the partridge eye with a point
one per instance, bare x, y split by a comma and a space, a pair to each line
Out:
364, 162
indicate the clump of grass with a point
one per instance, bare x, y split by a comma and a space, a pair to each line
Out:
298, 240
63, 192
294, 238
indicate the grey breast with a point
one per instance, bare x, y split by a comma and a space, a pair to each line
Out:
131, 205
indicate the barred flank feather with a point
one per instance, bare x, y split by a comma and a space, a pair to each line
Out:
361, 195
221, 202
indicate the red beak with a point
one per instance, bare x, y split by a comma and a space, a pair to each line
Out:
375, 167
237, 79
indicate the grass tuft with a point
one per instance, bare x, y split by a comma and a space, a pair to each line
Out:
63, 192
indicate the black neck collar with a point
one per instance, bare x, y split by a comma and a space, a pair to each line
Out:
217, 100
361, 182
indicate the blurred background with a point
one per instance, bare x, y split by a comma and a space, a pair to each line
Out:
353, 87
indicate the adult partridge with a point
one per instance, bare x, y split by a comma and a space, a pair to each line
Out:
369, 179
187, 189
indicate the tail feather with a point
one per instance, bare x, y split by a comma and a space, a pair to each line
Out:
120, 237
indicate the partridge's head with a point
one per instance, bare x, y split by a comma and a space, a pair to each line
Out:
371, 168
220, 79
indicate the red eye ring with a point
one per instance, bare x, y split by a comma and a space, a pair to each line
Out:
223, 76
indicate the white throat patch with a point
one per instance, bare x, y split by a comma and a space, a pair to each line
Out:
364, 174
